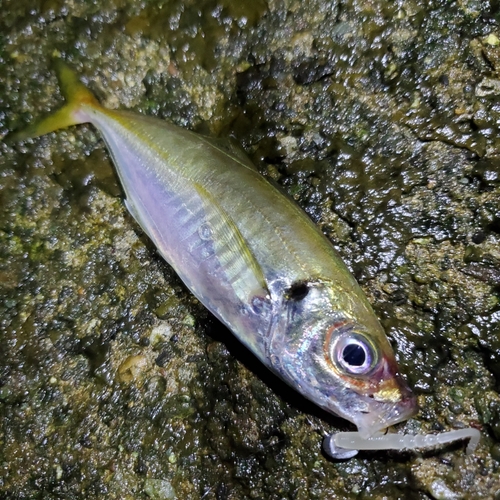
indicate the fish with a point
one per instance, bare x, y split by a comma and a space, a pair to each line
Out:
253, 258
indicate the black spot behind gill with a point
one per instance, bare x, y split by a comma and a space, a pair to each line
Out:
298, 291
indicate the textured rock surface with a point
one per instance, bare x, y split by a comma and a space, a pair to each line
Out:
380, 118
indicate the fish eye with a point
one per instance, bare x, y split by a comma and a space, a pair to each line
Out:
355, 354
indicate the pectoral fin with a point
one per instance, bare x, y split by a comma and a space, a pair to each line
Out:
240, 267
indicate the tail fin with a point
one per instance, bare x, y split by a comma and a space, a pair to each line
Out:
75, 94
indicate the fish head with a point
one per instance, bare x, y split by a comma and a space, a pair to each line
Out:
332, 346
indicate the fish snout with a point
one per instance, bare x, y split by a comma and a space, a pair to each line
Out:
384, 414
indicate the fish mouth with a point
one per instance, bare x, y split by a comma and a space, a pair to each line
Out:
384, 415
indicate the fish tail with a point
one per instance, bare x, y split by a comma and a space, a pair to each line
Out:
77, 96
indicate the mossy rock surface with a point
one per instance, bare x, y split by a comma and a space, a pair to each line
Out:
381, 119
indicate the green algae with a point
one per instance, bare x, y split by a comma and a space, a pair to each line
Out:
380, 119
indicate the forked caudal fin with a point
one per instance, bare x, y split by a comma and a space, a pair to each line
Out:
76, 95
343, 445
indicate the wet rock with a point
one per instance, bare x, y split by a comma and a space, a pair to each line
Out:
379, 119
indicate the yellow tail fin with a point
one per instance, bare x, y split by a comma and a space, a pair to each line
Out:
75, 93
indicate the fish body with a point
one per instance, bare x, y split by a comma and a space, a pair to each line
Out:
252, 257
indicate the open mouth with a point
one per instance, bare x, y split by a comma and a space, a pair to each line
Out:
384, 415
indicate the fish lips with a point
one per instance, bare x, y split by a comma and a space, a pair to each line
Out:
379, 415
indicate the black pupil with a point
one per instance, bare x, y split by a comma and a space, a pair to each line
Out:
354, 355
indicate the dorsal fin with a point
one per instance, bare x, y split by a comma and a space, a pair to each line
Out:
231, 149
